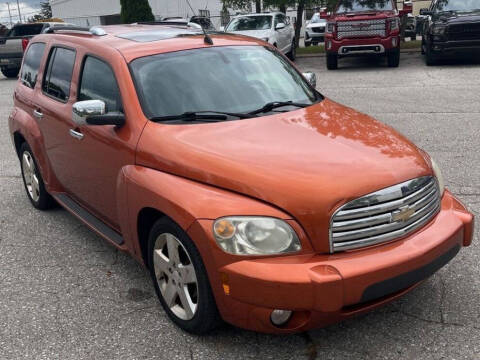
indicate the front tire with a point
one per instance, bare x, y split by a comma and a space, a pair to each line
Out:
33, 181
393, 58
430, 58
332, 61
10, 73
180, 278
293, 51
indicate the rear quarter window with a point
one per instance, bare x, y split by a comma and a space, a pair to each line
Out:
58, 76
31, 64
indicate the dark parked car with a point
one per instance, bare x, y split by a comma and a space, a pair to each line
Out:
451, 28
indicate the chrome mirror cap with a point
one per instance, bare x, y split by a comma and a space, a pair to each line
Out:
311, 78
84, 109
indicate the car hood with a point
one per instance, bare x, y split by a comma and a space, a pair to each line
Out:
459, 18
306, 162
259, 34
316, 25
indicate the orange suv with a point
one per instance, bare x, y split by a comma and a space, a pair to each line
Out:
212, 160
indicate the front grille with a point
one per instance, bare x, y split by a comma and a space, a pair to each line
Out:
318, 29
459, 32
362, 28
385, 215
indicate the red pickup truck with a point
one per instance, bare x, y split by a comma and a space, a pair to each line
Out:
358, 27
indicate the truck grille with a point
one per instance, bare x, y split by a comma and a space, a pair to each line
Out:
464, 32
385, 215
318, 29
362, 28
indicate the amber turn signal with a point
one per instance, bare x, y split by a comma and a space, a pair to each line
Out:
224, 229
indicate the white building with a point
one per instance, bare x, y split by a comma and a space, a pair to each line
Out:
107, 12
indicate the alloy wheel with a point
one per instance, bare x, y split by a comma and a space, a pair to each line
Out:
29, 174
175, 275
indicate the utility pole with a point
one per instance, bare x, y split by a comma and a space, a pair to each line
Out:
9, 14
19, 14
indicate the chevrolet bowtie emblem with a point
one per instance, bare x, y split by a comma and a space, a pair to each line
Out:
403, 214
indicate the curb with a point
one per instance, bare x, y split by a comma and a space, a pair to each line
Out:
415, 50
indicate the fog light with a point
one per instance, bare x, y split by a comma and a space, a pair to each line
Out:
280, 317
394, 42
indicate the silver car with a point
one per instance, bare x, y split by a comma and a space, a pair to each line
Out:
315, 30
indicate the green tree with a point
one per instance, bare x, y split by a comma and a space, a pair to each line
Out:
45, 12
243, 5
135, 11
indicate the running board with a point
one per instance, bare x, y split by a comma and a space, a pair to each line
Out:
91, 220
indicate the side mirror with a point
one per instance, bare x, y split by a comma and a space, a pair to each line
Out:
222, 28
425, 12
92, 112
311, 78
280, 26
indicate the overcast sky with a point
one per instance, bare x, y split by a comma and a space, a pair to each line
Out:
27, 9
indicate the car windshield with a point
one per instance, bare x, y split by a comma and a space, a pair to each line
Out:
316, 19
235, 79
364, 5
246, 23
457, 5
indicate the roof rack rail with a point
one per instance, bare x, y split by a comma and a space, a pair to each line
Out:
169, 22
93, 30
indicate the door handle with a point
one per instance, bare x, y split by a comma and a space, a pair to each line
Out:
37, 114
76, 134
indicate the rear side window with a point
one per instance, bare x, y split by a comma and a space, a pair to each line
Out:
31, 64
58, 76
106, 89
26, 30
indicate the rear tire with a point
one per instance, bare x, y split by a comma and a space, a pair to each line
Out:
393, 58
332, 61
10, 73
33, 181
308, 43
180, 278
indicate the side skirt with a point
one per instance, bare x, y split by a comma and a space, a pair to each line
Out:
90, 220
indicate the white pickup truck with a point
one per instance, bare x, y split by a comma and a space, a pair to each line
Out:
13, 45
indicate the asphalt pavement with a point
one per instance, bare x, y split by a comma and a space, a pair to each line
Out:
66, 294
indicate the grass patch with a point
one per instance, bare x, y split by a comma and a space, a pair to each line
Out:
312, 49
411, 44
320, 49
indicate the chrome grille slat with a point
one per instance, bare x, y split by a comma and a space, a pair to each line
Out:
356, 227
362, 28
383, 207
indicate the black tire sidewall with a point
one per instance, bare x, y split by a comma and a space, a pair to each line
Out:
44, 201
206, 317
10, 73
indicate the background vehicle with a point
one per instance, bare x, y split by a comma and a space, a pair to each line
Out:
411, 27
452, 27
14, 43
363, 28
274, 28
315, 30
204, 22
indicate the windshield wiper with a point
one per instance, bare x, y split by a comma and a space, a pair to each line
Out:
277, 104
207, 116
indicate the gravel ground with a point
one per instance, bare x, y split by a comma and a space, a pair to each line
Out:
66, 294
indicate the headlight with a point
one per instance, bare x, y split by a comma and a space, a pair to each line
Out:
394, 24
438, 174
252, 235
438, 30
265, 39
331, 28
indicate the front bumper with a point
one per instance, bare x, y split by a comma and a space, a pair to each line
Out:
323, 289
450, 47
311, 36
385, 44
